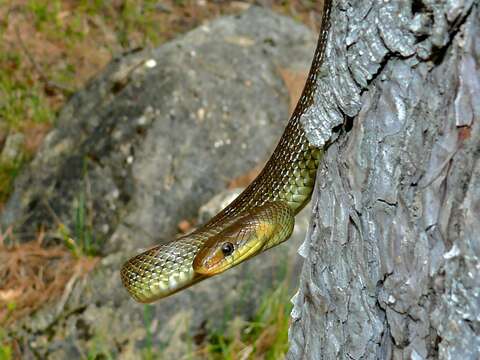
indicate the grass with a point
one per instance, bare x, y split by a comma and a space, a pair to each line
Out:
81, 240
6, 351
22, 97
98, 350
8, 172
264, 337
148, 352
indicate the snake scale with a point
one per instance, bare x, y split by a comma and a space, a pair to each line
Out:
262, 216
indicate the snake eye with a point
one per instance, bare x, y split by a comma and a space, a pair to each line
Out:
227, 248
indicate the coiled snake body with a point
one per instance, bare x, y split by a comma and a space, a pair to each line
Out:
262, 216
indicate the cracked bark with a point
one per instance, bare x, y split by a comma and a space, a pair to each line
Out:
392, 264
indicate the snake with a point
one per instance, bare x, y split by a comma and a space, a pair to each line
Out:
261, 217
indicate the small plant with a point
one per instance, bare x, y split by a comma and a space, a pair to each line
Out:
6, 352
46, 15
20, 101
264, 337
147, 319
83, 228
8, 172
99, 349
81, 240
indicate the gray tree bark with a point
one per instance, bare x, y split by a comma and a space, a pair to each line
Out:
392, 264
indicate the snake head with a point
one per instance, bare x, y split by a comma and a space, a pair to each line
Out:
254, 231
229, 248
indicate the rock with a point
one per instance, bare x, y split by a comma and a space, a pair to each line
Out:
160, 132
144, 146
217, 203
12, 149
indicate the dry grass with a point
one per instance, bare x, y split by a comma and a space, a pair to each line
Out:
32, 275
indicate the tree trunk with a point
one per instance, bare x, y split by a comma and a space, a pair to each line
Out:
392, 264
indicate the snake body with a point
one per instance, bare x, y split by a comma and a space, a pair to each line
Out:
262, 216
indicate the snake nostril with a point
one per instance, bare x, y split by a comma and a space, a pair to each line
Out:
227, 248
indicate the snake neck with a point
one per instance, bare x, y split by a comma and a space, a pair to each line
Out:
289, 174
286, 181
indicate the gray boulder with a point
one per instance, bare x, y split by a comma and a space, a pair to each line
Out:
159, 132
142, 147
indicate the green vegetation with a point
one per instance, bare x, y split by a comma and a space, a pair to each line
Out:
98, 350
265, 336
6, 352
21, 97
8, 172
82, 240
149, 352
